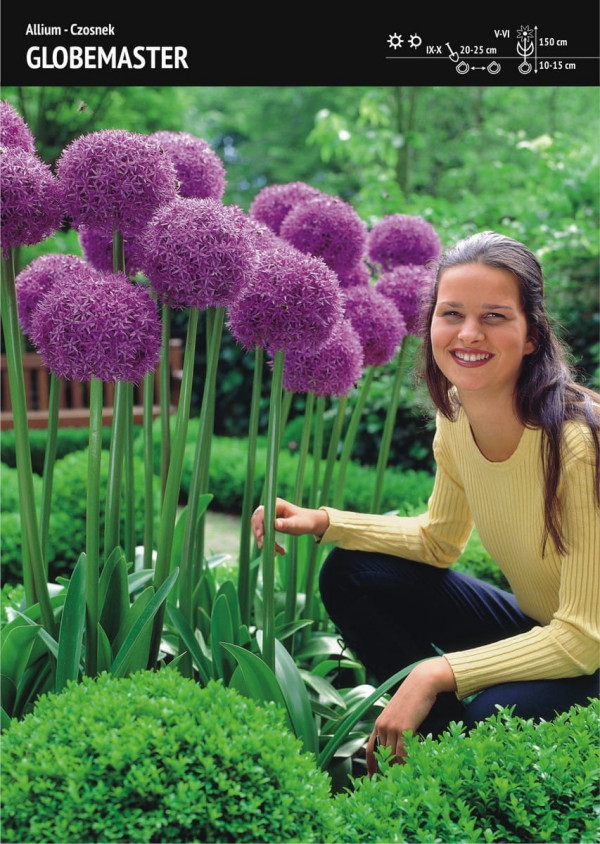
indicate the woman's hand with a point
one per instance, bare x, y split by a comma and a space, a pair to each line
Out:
289, 519
409, 707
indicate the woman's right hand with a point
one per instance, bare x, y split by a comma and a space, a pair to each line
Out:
290, 519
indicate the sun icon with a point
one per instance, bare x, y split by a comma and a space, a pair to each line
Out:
395, 41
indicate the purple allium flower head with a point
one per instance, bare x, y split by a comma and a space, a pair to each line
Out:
293, 302
329, 228
31, 199
407, 286
331, 370
38, 277
273, 203
403, 239
378, 322
263, 237
356, 276
14, 131
200, 171
115, 180
198, 253
98, 325
97, 247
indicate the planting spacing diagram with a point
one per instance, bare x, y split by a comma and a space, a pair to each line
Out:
534, 50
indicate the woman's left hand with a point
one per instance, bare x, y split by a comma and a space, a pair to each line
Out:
409, 707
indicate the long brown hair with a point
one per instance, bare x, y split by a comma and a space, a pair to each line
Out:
546, 393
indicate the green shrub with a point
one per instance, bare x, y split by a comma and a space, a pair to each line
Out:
10, 522
67, 441
67, 531
508, 780
154, 757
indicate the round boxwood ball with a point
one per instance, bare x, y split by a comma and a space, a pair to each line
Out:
155, 757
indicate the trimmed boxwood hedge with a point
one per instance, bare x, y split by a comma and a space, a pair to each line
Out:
155, 757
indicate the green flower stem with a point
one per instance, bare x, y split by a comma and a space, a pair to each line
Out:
388, 428
268, 556
292, 556
332, 450
148, 438
92, 526
35, 578
193, 543
49, 461
119, 433
165, 398
128, 479
173, 484
112, 522
338, 498
244, 576
315, 494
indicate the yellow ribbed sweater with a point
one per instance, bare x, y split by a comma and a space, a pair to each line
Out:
505, 502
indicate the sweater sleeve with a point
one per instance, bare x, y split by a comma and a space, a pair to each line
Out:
437, 537
569, 644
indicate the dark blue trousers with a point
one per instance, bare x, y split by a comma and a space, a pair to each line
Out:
392, 612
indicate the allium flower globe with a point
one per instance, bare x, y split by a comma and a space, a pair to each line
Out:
328, 228
97, 247
31, 199
407, 286
98, 325
293, 302
273, 203
114, 180
357, 276
14, 131
377, 321
38, 277
198, 253
331, 370
200, 171
403, 239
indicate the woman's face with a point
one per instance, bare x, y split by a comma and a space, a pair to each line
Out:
479, 332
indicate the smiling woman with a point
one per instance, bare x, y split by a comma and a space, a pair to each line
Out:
518, 457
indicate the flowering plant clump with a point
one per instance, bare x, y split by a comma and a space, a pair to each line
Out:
293, 302
38, 277
331, 370
198, 253
200, 171
31, 199
402, 239
407, 286
97, 247
14, 131
114, 180
329, 228
97, 325
273, 203
378, 322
